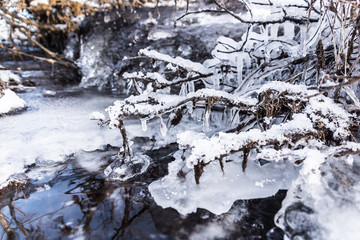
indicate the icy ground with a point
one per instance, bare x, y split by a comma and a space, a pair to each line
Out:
51, 129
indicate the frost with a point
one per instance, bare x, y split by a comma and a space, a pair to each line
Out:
205, 155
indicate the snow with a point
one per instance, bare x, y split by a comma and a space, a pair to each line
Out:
151, 76
209, 149
157, 34
10, 102
97, 116
332, 116
325, 183
7, 75
183, 194
62, 27
208, 19
179, 61
35, 3
4, 30
163, 103
79, 1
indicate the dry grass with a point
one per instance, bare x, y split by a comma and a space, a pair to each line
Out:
47, 26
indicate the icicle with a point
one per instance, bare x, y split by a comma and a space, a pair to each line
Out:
352, 95
191, 87
216, 82
183, 91
144, 124
163, 128
190, 107
137, 87
206, 125
240, 66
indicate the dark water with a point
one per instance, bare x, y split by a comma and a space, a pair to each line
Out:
77, 204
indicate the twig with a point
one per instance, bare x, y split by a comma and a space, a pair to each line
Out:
200, 11
351, 80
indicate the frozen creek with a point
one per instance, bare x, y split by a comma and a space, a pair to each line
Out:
64, 154
60, 157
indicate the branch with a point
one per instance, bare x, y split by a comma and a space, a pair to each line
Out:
200, 11
178, 61
160, 82
351, 80
279, 20
153, 104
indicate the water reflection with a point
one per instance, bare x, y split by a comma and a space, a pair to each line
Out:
78, 204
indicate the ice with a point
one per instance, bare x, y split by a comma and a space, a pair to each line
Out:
144, 124
96, 71
206, 126
132, 166
181, 192
322, 198
209, 231
50, 130
208, 149
163, 128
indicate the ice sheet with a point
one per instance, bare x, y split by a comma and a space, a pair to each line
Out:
50, 130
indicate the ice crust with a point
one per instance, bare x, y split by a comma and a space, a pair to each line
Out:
128, 168
218, 190
326, 193
51, 130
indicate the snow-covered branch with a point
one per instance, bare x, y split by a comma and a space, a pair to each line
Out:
271, 103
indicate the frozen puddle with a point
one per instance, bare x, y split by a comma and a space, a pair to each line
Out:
51, 129
186, 196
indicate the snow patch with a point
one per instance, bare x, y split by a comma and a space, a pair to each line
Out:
10, 102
